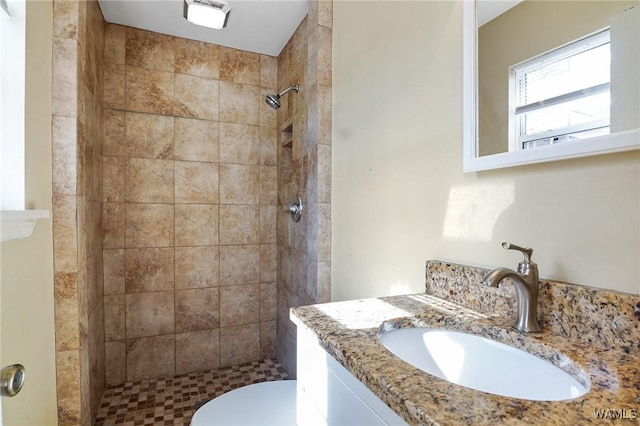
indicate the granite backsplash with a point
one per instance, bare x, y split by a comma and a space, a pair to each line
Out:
604, 318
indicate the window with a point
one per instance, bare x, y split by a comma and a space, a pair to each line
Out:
562, 95
12, 104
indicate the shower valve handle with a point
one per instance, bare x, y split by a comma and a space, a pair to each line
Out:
295, 208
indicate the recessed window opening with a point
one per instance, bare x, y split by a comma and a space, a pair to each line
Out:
562, 95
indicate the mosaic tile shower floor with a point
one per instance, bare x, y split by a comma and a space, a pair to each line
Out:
173, 400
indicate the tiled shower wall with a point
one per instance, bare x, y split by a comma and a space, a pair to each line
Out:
189, 213
304, 155
78, 40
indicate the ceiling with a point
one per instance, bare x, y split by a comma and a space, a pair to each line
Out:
261, 26
486, 10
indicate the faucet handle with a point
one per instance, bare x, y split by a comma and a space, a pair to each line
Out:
527, 252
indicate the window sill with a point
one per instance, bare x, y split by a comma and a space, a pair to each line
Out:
16, 224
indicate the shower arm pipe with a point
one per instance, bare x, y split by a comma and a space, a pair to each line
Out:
287, 90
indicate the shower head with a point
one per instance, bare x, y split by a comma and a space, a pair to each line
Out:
274, 100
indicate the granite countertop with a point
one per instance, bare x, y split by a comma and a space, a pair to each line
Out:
349, 332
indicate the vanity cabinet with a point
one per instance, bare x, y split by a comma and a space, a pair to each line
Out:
336, 395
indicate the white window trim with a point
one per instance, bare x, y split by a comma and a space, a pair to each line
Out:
12, 105
15, 222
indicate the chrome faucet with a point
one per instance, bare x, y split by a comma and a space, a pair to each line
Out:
526, 283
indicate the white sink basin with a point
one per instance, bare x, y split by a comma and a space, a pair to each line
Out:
482, 364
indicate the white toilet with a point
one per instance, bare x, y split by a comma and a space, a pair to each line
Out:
268, 403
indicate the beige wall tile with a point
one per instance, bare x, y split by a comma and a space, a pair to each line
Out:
239, 264
66, 311
114, 44
64, 155
68, 387
150, 357
239, 344
239, 224
113, 225
299, 44
197, 309
196, 224
94, 283
94, 226
268, 185
149, 50
268, 224
195, 97
116, 362
95, 369
324, 232
268, 146
324, 115
239, 143
197, 351
268, 339
197, 267
149, 225
149, 91
196, 182
268, 72
113, 89
239, 103
82, 20
64, 84
311, 131
324, 282
114, 313
268, 115
65, 19
239, 184
239, 305
325, 13
113, 261
197, 58
65, 243
268, 294
149, 181
239, 66
149, 269
324, 56
149, 314
324, 173
83, 155
268, 262
88, 67
113, 141
149, 135
113, 171
196, 140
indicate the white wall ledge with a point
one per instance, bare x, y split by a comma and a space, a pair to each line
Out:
16, 224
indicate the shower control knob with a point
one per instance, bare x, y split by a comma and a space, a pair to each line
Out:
11, 380
295, 208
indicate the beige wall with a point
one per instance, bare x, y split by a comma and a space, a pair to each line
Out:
400, 198
27, 264
523, 32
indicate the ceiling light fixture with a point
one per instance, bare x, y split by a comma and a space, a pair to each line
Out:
207, 13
